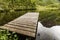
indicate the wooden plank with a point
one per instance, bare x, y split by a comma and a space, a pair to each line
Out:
25, 24
20, 31
21, 28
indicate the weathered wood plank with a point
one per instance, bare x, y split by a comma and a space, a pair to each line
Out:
25, 24
20, 31
21, 28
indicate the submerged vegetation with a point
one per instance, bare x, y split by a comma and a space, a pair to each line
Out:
10, 9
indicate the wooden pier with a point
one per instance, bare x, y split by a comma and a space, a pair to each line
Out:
25, 24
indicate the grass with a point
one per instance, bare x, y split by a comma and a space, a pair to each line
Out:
45, 8
49, 16
6, 17
6, 35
